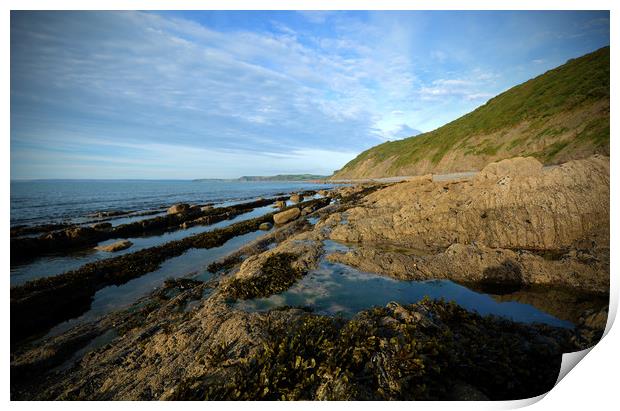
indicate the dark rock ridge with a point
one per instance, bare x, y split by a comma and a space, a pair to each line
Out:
75, 237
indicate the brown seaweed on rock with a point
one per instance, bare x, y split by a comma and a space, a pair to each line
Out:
277, 276
422, 351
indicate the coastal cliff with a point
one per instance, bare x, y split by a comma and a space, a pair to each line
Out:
558, 116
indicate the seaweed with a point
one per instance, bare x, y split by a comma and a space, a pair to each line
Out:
277, 275
416, 352
224, 264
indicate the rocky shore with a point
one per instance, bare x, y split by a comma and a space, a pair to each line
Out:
514, 231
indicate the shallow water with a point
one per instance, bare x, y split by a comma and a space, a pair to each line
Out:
338, 289
45, 201
192, 263
53, 265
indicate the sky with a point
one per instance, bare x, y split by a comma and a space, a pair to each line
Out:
221, 94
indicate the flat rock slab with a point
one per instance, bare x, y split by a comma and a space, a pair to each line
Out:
117, 246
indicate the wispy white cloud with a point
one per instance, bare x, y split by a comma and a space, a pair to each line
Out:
130, 86
467, 89
316, 16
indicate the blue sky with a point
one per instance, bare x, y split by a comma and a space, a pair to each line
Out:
224, 94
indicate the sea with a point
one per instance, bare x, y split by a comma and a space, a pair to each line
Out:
54, 201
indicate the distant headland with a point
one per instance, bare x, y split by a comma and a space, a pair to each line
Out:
279, 177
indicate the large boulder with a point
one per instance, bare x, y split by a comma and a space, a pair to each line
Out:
296, 198
117, 246
286, 216
178, 208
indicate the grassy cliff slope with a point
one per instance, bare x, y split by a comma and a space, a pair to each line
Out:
560, 115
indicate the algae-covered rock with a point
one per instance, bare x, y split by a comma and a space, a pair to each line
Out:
430, 350
276, 275
78, 233
102, 226
265, 226
286, 216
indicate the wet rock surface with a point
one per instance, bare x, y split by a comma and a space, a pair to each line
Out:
286, 216
476, 264
102, 226
116, 246
422, 351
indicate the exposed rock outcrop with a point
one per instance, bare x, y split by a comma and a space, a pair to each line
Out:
286, 216
102, 226
496, 228
534, 209
477, 264
178, 208
291, 354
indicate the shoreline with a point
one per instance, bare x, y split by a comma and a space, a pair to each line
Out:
189, 339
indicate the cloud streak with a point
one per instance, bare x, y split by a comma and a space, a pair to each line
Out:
223, 99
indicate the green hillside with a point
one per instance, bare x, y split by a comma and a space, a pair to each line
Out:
559, 115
